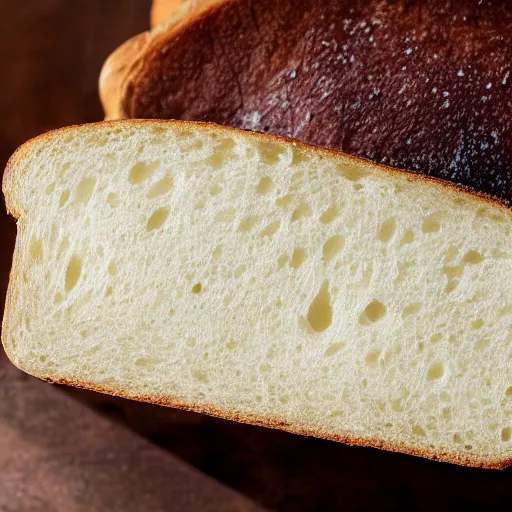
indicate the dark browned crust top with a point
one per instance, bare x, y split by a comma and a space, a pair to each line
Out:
424, 86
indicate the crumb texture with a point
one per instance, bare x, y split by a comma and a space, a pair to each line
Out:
228, 270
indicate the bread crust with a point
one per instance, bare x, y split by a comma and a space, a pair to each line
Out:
435, 102
12, 183
124, 65
115, 73
163, 10
275, 423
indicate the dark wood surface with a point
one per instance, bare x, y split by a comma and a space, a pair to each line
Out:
69, 450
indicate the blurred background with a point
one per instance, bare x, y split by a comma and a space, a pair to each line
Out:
68, 450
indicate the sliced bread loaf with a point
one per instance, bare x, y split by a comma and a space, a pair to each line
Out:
264, 281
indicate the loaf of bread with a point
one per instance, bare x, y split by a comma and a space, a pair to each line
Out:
264, 281
423, 86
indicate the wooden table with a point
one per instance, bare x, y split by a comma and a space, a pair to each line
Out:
65, 450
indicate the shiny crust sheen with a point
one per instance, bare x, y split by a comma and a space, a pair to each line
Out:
11, 188
163, 10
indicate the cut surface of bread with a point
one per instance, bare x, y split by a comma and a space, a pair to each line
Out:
423, 86
266, 281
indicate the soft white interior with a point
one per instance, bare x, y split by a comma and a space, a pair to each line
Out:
220, 269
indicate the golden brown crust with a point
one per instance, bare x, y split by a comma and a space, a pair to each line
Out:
114, 77
270, 422
11, 184
123, 66
163, 10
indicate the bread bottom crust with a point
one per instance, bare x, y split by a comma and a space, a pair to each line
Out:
275, 423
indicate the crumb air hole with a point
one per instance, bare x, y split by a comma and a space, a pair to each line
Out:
157, 219
333, 247
270, 153
329, 215
350, 172
387, 230
112, 199
160, 188
298, 257
85, 189
431, 224
142, 171
73, 272
270, 230
264, 186
320, 311
333, 349
112, 268
411, 309
284, 201
408, 238
418, 431
64, 198
36, 249
373, 312
303, 210
247, 224
473, 258
435, 372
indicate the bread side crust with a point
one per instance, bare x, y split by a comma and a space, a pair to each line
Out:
163, 10
12, 183
116, 71
122, 67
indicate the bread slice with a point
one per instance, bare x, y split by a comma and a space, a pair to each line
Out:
419, 86
265, 281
